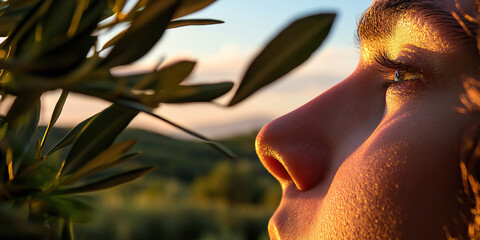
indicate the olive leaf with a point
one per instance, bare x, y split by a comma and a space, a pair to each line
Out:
290, 48
22, 120
105, 158
190, 22
140, 107
70, 137
191, 6
55, 114
196, 93
98, 136
143, 34
105, 183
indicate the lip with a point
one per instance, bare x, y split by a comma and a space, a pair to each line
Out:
272, 231
295, 209
289, 192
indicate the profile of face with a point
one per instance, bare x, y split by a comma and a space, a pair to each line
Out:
377, 155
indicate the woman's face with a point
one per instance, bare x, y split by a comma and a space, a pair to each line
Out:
377, 156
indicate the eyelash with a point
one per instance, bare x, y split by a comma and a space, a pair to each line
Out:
398, 68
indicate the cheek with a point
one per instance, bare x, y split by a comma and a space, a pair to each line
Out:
406, 172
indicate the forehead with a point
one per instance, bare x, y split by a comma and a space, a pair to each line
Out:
425, 24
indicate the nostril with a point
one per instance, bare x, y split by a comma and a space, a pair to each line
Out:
303, 163
276, 168
291, 154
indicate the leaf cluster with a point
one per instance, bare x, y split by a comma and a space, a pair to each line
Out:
53, 44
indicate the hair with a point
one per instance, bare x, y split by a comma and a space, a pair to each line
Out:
470, 143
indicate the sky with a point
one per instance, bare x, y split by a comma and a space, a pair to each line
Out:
224, 52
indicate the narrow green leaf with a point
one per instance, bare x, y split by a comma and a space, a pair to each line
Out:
142, 108
57, 20
68, 139
92, 15
103, 89
108, 156
114, 40
166, 78
98, 136
143, 34
190, 22
21, 106
56, 113
196, 93
123, 159
23, 119
60, 57
293, 46
191, 6
23, 31
106, 183
67, 230
60, 39
20, 191
13, 14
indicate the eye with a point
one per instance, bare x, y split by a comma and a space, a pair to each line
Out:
396, 72
401, 76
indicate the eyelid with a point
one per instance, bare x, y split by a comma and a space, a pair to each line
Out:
387, 62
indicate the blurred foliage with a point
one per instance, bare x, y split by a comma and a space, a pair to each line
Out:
53, 44
161, 206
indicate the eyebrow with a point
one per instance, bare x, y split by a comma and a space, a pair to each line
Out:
379, 20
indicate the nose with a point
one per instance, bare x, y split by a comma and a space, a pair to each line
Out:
301, 147
290, 154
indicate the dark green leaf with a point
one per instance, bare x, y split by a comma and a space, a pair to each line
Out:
22, 106
98, 136
114, 40
20, 191
13, 14
67, 231
23, 33
58, 19
289, 49
191, 6
189, 22
68, 139
92, 14
143, 108
107, 182
164, 79
56, 113
143, 34
196, 93
123, 159
103, 89
57, 52
23, 119
107, 157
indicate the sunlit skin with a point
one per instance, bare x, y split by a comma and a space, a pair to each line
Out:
372, 158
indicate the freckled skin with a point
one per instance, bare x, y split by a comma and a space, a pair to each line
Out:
362, 161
